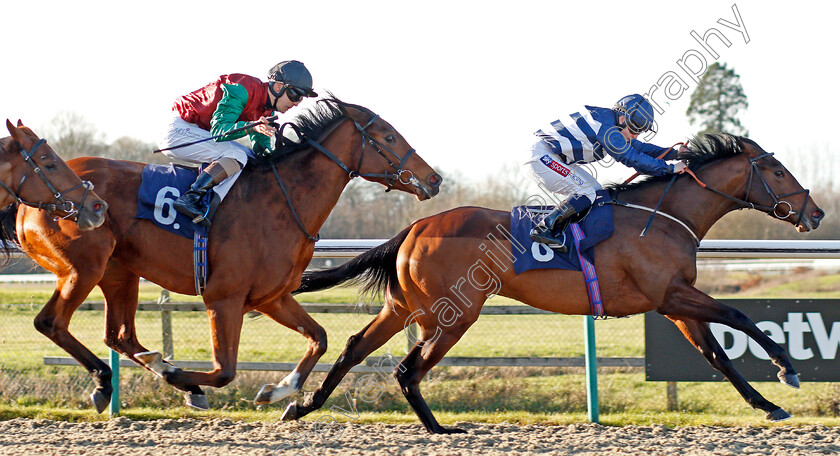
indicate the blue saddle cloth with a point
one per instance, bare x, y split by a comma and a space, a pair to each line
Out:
597, 226
160, 187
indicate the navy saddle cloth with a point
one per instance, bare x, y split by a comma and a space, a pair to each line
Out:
160, 187
597, 226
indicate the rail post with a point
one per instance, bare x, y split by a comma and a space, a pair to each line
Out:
591, 368
166, 326
114, 409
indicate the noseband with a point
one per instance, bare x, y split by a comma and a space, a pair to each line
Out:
60, 203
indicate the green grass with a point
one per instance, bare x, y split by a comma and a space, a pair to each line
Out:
490, 395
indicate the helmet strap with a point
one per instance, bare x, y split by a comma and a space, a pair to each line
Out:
277, 95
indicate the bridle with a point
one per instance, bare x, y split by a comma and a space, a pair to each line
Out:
778, 200
773, 210
404, 176
60, 203
391, 178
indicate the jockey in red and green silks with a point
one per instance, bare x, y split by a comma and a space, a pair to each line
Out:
226, 104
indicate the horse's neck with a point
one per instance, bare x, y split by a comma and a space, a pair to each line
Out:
313, 181
695, 206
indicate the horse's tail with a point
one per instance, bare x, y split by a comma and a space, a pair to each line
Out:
8, 231
376, 269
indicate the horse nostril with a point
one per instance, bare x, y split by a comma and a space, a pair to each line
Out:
435, 180
817, 214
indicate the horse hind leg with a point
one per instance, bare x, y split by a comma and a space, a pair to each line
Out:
225, 330
288, 312
699, 334
121, 288
384, 326
53, 321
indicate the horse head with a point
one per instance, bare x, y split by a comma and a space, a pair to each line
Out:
31, 173
387, 158
774, 187
762, 182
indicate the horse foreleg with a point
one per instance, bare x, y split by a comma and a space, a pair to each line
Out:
425, 355
53, 321
683, 300
120, 288
288, 312
699, 334
359, 346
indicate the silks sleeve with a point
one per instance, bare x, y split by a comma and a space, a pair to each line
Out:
227, 112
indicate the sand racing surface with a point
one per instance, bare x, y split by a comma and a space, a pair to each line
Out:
122, 436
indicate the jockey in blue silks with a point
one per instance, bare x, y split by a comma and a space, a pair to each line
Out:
585, 137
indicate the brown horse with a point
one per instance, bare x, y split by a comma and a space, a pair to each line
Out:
259, 245
50, 185
439, 271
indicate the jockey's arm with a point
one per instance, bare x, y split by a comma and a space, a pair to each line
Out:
230, 107
653, 150
625, 153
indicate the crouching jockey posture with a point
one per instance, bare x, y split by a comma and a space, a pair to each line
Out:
585, 137
205, 123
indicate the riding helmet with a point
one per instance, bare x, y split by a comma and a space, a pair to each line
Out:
293, 73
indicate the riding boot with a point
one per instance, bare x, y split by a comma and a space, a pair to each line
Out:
191, 203
544, 231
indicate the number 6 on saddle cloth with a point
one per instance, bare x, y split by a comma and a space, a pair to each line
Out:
597, 225
160, 187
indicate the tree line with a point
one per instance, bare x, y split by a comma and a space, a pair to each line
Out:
365, 211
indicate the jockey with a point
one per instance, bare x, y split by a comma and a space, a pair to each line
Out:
228, 103
585, 137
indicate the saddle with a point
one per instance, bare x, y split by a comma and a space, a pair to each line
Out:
596, 224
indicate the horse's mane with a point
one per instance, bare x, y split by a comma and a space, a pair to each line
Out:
700, 151
312, 124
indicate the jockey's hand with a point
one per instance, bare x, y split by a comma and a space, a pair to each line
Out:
265, 127
680, 167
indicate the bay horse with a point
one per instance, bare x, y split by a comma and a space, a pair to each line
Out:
259, 245
439, 271
55, 190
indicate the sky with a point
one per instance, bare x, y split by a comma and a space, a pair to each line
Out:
465, 82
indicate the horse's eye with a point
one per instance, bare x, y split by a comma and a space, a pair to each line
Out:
779, 173
390, 139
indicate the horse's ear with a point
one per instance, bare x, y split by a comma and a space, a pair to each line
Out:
16, 132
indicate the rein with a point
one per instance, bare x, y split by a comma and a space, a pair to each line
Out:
64, 205
378, 146
770, 210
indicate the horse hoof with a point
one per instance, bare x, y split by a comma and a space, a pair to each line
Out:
778, 415
100, 400
443, 430
264, 396
198, 401
291, 412
148, 357
788, 379
270, 393
154, 361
